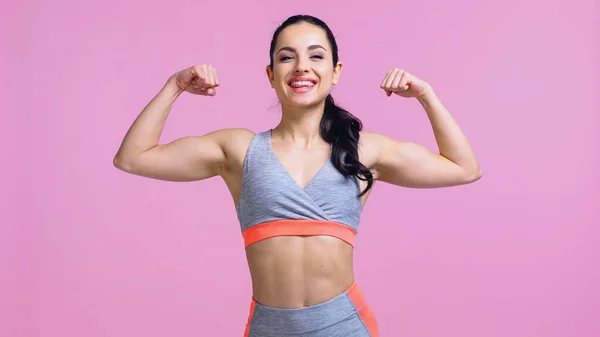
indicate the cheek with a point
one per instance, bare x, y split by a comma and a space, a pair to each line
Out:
282, 69
278, 79
325, 74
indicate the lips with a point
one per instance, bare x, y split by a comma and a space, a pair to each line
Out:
301, 82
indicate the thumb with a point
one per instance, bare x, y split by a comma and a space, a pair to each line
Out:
388, 93
207, 91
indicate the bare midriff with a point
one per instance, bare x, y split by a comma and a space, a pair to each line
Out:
299, 271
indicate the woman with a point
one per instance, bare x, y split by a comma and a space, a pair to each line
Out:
299, 188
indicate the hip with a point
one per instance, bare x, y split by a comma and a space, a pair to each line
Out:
347, 314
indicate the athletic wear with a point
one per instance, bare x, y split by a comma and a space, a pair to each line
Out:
346, 315
272, 204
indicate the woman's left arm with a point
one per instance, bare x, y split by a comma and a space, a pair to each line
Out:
412, 165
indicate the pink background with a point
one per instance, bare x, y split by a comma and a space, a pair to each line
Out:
91, 251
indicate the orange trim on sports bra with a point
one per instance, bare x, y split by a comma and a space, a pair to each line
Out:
298, 228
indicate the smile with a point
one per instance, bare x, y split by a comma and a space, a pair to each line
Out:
299, 84
302, 85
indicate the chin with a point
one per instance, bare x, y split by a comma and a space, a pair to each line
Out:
305, 101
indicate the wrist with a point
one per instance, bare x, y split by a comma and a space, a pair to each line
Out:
428, 99
172, 89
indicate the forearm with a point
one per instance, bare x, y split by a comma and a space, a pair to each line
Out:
147, 128
451, 141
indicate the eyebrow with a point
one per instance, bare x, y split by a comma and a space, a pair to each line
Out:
312, 47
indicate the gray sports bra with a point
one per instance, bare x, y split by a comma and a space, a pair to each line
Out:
272, 204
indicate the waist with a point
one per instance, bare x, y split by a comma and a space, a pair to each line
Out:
294, 272
300, 321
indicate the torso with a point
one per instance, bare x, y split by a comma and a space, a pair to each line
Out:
294, 271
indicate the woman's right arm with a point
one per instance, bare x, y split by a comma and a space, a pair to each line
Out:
185, 159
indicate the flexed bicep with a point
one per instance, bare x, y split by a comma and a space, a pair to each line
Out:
185, 159
412, 165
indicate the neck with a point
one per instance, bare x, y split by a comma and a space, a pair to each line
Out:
300, 125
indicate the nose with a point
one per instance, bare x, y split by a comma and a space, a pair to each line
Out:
302, 66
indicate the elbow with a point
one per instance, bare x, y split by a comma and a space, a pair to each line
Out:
474, 174
122, 163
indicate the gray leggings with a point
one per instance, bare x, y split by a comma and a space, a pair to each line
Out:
346, 315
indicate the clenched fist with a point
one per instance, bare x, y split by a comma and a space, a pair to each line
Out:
403, 84
199, 80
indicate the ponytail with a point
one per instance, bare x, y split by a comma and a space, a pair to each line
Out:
341, 129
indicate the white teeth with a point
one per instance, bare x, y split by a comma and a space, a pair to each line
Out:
302, 84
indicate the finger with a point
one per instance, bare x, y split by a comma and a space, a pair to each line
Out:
390, 80
197, 82
404, 81
387, 75
196, 72
196, 76
396, 80
206, 91
201, 91
216, 77
205, 80
210, 73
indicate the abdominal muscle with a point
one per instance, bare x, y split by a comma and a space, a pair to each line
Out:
296, 272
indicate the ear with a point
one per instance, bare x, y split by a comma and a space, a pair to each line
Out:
337, 72
270, 75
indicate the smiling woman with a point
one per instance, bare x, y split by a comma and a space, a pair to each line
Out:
299, 188
303, 49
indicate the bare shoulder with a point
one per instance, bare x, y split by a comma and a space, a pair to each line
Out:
236, 140
234, 143
230, 139
236, 133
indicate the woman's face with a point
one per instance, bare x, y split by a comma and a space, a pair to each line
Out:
303, 70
